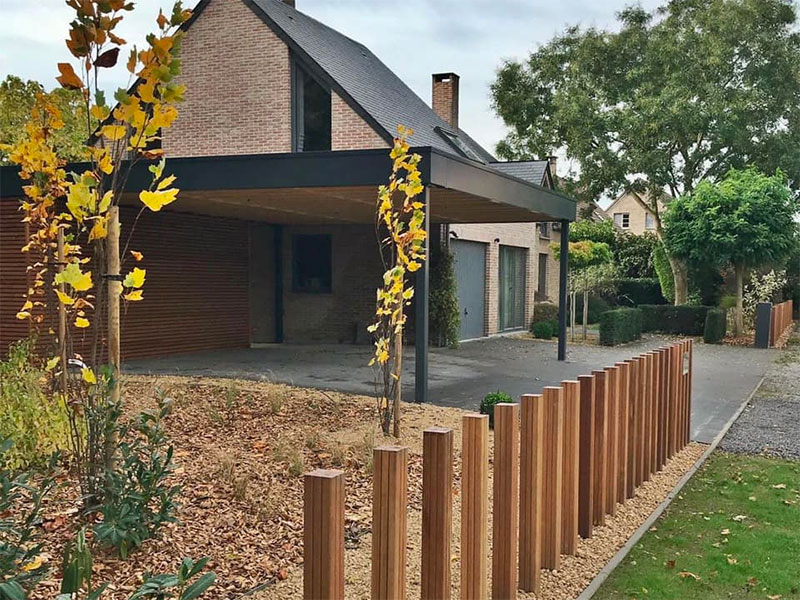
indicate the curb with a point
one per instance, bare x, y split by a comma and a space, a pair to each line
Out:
591, 589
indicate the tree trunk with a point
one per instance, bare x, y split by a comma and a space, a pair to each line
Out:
585, 313
680, 274
62, 318
738, 320
114, 292
398, 373
572, 303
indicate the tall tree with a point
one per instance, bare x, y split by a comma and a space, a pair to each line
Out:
674, 97
746, 220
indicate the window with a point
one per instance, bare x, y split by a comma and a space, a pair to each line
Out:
311, 264
544, 230
311, 113
649, 221
622, 220
458, 144
541, 290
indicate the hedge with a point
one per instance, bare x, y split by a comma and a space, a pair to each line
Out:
544, 330
716, 325
633, 292
544, 311
620, 325
686, 319
597, 306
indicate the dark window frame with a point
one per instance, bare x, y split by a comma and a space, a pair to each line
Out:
297, 71
298, 284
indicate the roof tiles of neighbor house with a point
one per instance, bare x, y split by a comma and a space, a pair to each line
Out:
529, 170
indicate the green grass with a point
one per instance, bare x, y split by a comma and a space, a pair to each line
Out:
733, 532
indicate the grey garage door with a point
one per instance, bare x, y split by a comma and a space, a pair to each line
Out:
470, 268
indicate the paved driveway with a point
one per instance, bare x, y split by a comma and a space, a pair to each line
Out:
723, 376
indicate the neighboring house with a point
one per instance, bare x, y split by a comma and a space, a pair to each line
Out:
278, 150
631, 213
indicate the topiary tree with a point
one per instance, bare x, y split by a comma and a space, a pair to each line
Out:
664, 272
746, 220
445, 315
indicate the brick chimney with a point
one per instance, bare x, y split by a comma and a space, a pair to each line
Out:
289, 2
445, 97
553, 160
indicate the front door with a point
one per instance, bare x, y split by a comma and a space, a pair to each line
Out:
512, 287
470, 267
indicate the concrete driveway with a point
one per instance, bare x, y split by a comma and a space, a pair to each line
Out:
723, 376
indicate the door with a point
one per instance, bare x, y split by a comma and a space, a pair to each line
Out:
470, 267
512, 288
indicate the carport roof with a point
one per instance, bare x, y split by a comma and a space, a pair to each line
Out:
339, 187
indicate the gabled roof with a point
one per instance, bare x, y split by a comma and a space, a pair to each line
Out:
349, 67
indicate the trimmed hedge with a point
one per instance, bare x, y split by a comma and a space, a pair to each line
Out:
544, 311
597, 306
544, 330
686, 319
633, 292
620, 325
489, 401
716, 325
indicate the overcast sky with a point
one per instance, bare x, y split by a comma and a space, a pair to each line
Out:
468, 37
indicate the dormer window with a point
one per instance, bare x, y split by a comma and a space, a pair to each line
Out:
312, 113
457, 143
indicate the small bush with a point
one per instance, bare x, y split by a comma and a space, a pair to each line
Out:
633, 292
544, 311
728, 301
597, 306
620, 325
716, 325
488, 402
685, 319
545, 330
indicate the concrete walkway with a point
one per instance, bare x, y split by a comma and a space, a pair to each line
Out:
723, 376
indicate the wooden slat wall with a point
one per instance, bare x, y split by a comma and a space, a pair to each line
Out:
196, 293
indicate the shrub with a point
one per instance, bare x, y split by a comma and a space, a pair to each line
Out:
544, 330
488, 402
620, 325
544, 311
664, 272
685, 319
37, 423
633, 292
716, 325
633, 254
445, 314
728, 301
597, 306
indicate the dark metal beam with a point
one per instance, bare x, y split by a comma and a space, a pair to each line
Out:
278, 234
562, 291
421, 321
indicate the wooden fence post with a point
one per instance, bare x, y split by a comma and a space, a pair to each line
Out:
660, 437
474, 506
647, 416
641, 426
670, 408
437, 512
612, 432
530, 492
689, 382
630, 481
600, 433
587, 457
569, 489
622, 442
552, 478
323, 535
390, 490
505, 521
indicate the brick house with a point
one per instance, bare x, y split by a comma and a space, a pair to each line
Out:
631, 213
272, 239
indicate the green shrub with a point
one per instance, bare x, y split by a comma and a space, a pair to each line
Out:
685, 319
37, 423
545, 330
728, 301
544, 311
488, 402
445, 314
633, 292
633, 254
716, 325
664, 272
620, 325
597, 306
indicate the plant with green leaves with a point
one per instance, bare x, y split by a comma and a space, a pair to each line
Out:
445, 314
490, 400
746, 220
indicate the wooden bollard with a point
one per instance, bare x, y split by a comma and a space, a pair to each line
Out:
505, 518
661, 433
630, 480
437, 512
675, 398
571, 466
647, 414
323, 535
601, 454
612, 431
655, 466
390, 490
474, 506
668, 391
587, 457
641, 417
689, 381
622, 446
553, 473
530, 492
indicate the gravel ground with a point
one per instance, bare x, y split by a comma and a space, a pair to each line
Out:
770, 424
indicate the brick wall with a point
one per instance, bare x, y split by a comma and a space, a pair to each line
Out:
349, 131
236, 72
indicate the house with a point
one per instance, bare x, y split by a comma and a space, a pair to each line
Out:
272, 239
631, 212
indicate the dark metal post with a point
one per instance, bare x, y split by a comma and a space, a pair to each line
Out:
278, 239
763, 324
562, 291
421, 295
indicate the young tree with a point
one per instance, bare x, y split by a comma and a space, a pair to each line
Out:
666, 100
746, 220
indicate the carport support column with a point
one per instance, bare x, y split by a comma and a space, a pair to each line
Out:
421, 294
562, 291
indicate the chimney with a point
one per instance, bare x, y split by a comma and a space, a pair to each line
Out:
445, 97
553, 160
289, 2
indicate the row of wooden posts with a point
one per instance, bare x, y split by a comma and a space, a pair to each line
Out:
563, 461
781, 319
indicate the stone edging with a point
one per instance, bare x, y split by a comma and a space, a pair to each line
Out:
615, 561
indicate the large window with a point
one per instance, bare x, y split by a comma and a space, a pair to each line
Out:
649, 221
311, 264
622, 220
312, 113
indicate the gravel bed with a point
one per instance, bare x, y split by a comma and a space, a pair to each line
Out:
770, 424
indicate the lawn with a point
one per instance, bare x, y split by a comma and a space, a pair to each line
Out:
733, 532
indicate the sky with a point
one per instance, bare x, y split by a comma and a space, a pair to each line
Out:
468, 37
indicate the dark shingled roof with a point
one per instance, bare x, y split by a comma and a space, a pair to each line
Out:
529, 170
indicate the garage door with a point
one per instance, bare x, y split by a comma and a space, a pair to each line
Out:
470, 268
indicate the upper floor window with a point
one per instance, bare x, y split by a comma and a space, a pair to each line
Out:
622, 220
649, 221
312, 113
544, 230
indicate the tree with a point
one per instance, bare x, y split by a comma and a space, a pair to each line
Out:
674, 97
17, 98
746, 220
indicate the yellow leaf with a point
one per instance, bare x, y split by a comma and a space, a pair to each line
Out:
155, 201
81, 322
68, 79
135, 279
98, 231
100, 112
73, 276
65, 298
137, 256
23, 314
133, 296
51, 364
105, 164
88, 375
166, 182
33, 565
113, 132
105, 202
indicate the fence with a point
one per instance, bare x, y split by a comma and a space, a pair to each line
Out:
780, 320
563, 460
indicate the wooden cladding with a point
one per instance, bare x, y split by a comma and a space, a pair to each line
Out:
780, 321
563, 461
